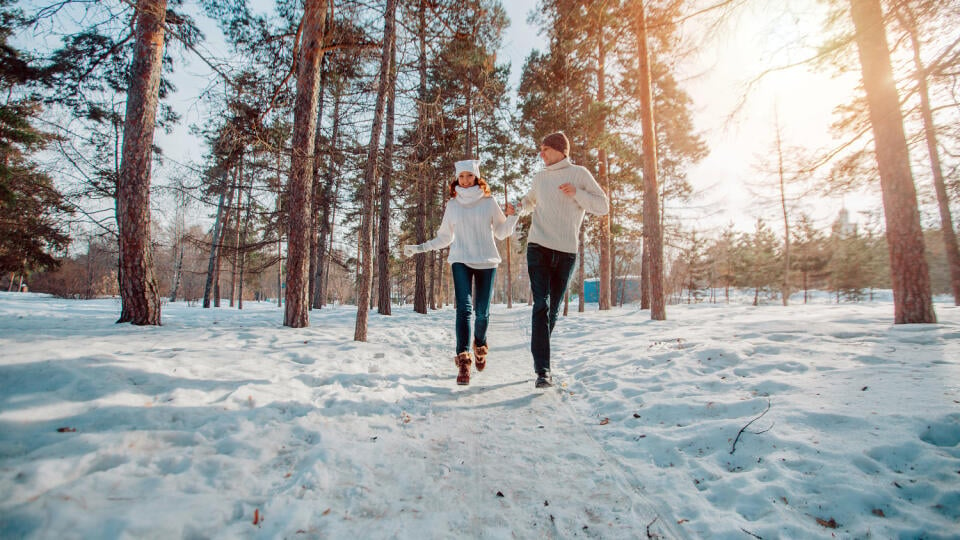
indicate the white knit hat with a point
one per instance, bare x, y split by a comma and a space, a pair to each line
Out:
472, 166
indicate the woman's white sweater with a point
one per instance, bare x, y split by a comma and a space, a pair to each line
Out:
470, 223
557, 216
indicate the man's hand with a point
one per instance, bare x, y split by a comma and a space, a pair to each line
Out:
568, 189
410, 250
509, 210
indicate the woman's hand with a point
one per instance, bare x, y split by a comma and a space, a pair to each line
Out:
509, 210
410, 250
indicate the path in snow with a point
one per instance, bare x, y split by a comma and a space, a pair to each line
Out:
469, 445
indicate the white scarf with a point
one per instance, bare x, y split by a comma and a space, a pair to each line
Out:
469, 196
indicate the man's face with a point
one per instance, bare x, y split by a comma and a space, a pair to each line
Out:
550, 155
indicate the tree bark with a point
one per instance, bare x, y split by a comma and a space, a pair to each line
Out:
383, 242
912, 299
235, 264
605, 277
299, 212
366, 221
317, 205
423, 189
652, 231
139, 294
581, 272
645, 275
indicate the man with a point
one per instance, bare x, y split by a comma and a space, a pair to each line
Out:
558, 198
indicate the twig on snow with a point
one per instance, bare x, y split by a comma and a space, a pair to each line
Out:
751, 534
652, 535
744, 428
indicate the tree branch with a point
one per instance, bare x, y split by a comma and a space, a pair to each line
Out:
744, 428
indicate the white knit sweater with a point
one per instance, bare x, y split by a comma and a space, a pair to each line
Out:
470, 222
556, 216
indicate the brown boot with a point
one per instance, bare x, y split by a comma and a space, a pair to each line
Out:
463, 362
480, 353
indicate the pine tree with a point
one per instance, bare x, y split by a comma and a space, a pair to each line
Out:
301, 177
913, 302
759, 264
811, 254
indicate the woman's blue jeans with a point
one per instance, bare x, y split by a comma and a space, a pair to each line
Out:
550, 272
473, 289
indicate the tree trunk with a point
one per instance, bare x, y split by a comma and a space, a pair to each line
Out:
506, 201
605, 267
930, 134
177, 270
785, 285
329, 202
139, 294
317, 205
221, 240
235, 264
178, 248
369, 175
468, 148
279, 199
652, 231
581, 273
645, 275
214, 250
297, 314
242, 252
383, 242
423, 189
912, 299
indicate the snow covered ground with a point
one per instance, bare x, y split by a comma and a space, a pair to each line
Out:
725, 421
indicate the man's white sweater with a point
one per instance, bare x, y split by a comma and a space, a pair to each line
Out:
470, 223
557, 216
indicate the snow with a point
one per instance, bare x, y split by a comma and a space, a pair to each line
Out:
724, 421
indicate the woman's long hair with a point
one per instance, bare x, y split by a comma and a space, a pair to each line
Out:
480, 182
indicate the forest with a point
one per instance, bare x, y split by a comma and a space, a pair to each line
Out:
331, 127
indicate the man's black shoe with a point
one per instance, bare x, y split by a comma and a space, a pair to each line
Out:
543, 379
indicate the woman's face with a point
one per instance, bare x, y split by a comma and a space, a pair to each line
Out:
466, 179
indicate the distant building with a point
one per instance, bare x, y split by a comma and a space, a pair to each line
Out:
627, 287
843, 226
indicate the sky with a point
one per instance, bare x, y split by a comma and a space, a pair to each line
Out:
723, 421
730, 187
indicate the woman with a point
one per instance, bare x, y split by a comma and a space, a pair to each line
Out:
470, 222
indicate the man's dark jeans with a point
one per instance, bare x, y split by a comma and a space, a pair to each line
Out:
471, 282
550, 272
